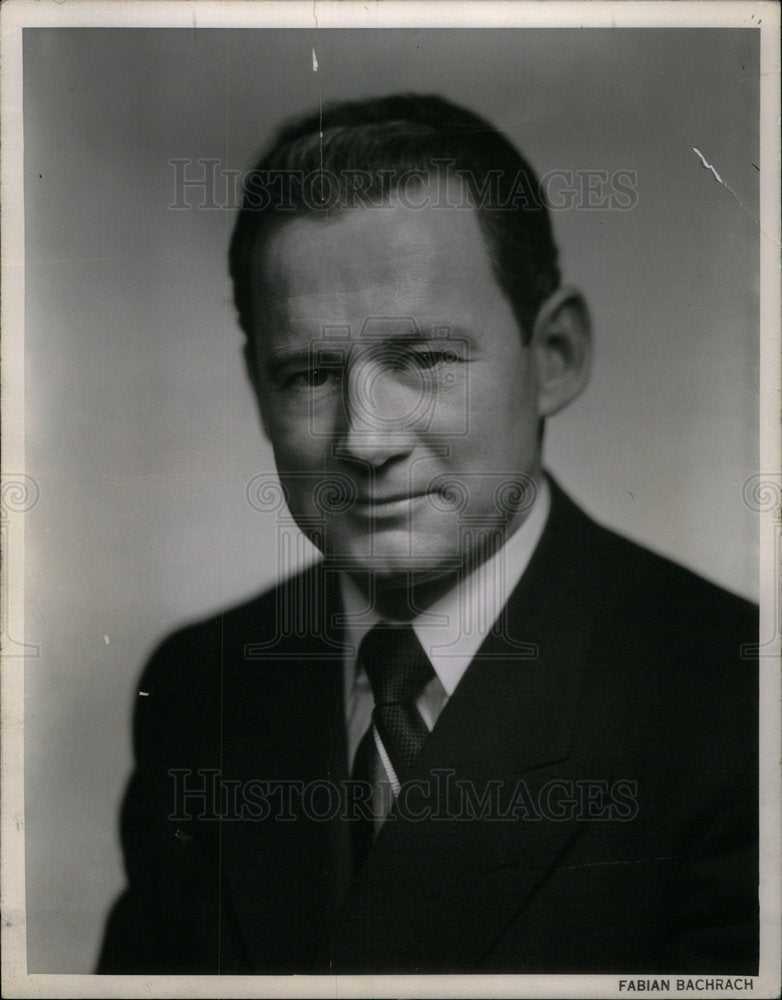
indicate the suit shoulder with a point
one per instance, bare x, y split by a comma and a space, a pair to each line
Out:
646, 580
672, 657
657, 628
258, 614
678, 646
189, 662
625, 570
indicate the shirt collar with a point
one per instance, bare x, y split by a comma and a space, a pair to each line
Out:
453, 628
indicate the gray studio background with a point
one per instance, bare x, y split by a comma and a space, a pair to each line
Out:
141, 432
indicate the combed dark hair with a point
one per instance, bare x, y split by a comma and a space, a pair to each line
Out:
361, 152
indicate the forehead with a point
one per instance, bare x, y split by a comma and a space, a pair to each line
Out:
393, 260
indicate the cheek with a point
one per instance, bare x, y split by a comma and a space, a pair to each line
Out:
500, 441
493, 414
294, 443
503, 403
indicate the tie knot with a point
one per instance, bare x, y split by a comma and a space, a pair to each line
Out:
396, 664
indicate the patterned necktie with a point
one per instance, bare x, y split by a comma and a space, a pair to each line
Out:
398, 670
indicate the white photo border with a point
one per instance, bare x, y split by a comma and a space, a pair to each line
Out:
17, 14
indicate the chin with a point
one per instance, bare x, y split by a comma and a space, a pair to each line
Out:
397, 560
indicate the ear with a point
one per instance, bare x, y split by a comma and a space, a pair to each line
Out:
562, 346
251, 366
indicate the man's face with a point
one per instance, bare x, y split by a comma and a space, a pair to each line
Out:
395, 389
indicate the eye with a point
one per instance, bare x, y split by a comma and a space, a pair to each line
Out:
312, 378
431, 359
316, 376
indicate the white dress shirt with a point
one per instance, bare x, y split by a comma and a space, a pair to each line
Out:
451, 630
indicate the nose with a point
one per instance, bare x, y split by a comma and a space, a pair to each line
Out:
376, 416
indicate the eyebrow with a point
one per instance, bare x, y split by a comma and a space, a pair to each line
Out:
281, 360
319, 349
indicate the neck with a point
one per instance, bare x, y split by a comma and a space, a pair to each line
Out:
407, 599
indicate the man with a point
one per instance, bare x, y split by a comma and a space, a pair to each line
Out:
484, 734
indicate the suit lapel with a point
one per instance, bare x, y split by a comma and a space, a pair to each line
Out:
436, 893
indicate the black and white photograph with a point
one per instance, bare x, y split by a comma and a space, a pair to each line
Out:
390, 499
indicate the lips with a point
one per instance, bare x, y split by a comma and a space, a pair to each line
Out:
373, 498
385, 506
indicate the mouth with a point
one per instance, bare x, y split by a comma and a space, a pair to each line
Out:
382, 507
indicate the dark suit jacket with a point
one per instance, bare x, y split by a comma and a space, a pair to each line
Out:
603, 742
